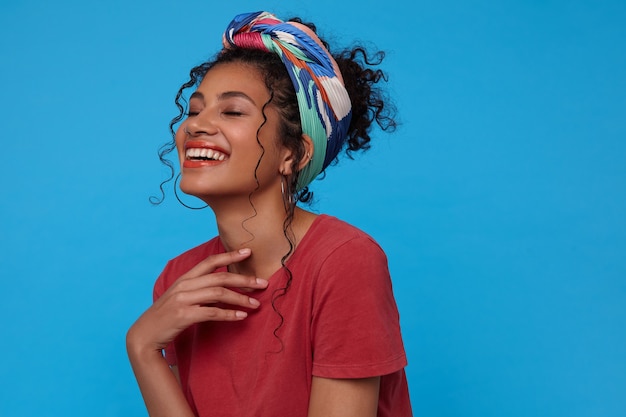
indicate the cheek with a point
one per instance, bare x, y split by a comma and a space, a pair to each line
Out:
180, 142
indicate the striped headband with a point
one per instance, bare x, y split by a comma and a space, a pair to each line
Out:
325, 109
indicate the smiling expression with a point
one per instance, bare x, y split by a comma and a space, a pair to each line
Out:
229, 141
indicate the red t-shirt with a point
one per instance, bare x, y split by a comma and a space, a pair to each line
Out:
339, 320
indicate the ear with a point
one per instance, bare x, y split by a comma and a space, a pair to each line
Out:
309, 148
286, 166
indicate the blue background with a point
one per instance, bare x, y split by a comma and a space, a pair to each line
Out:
500, 201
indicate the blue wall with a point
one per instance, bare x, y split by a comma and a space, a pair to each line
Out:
500, 200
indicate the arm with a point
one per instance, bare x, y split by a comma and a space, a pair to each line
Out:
355, 331
158, 384
344, 397
188, 301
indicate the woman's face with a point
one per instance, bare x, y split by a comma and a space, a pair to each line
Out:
217, 144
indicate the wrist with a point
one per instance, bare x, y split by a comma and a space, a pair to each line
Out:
138, 348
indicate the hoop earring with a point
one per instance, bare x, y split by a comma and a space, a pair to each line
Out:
287, 196
181, 201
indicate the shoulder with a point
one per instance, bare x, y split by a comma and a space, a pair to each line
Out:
334, 245
184, 262
330, 233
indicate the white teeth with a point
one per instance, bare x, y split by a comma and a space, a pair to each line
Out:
205, 153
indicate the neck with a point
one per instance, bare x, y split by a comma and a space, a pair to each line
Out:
259, 224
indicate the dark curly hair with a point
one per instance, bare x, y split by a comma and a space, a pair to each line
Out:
369, 105
369, 102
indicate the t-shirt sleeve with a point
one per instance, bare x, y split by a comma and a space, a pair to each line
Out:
160, 286
355, 322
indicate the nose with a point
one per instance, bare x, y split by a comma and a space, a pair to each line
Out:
200, 124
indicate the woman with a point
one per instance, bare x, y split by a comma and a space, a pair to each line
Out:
285, 313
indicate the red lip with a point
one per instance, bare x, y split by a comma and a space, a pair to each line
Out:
200, 144
188, 163
190, 144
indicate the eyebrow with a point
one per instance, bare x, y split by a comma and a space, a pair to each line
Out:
197, 95
225, 95
237, 94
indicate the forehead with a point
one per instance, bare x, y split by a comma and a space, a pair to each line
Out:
234, 76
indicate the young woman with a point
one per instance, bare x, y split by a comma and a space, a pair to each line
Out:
285, 313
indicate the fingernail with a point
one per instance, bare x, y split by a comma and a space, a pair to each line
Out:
261, 281
244, 251
241, 314
254, 302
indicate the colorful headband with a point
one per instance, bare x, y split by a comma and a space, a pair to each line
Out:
325, 108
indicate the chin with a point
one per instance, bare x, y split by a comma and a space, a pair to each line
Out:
194, 186
199, 192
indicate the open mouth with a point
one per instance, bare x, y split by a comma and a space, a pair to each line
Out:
204, 154
199, 153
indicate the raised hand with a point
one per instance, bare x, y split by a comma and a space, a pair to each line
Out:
199, 295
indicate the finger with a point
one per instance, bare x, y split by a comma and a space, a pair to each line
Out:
221, 314
216, 261
213, 295
219, 279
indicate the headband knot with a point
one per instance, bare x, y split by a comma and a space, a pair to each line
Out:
324, 104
